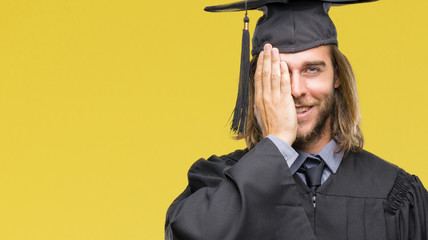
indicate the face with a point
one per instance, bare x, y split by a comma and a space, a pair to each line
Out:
312, 87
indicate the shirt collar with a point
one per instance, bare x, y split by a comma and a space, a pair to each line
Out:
327, 153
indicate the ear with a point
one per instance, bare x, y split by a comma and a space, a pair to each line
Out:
337, 82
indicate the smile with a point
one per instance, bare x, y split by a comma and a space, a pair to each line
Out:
303, 112
302, 109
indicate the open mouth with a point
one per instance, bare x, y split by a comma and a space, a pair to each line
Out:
302, 109
303, 112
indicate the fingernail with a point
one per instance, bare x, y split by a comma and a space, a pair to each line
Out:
275, 52
261, 54
267, 47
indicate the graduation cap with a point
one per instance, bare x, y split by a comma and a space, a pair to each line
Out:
289, 25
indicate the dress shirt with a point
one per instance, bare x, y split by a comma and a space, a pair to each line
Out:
296, 157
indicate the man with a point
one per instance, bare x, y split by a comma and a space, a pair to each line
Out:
304, 174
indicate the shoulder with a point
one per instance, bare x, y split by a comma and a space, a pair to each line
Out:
366, 165
370, 165
363, 174
209, 172
372, 176
219, 161
400, 188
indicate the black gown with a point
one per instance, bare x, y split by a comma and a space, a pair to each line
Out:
249, 195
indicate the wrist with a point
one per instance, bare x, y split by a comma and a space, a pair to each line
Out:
288, 138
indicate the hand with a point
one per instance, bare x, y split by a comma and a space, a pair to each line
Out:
274, 104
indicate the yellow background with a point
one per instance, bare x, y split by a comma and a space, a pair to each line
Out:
105, 105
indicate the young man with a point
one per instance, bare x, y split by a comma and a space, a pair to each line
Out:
304, 174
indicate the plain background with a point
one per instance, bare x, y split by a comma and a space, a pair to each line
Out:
104, 105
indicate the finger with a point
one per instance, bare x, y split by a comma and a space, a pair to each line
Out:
258, 77
275, 74
266, 72
285, 79
258, 118
266, 91
258, 94
259, 103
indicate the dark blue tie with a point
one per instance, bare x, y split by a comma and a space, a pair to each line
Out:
313, 174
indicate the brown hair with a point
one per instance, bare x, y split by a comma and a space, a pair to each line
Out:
346, 116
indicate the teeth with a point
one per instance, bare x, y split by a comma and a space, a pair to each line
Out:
302, 110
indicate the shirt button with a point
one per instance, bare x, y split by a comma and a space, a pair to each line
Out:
286, 157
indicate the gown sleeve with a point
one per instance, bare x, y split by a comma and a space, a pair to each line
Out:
256, 198
409, 201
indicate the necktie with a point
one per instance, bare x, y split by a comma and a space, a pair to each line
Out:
313, 174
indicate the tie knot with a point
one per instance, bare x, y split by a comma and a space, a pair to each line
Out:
313, 169
312, 160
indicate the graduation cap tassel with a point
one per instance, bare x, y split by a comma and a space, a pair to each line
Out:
240, 113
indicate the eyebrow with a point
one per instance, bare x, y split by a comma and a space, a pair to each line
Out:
314, 63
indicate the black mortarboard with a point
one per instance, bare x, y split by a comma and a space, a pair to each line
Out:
289, 25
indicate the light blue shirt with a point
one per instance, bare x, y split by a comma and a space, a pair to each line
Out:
296, 157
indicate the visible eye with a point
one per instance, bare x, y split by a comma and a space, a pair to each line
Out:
312, 70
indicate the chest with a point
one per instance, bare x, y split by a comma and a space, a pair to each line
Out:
343, 217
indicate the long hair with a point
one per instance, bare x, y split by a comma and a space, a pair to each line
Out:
345, 119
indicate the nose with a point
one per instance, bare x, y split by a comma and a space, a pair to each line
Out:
298, 86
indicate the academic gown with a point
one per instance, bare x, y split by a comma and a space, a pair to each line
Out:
249, 195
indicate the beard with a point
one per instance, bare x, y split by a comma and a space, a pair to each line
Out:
320, 126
